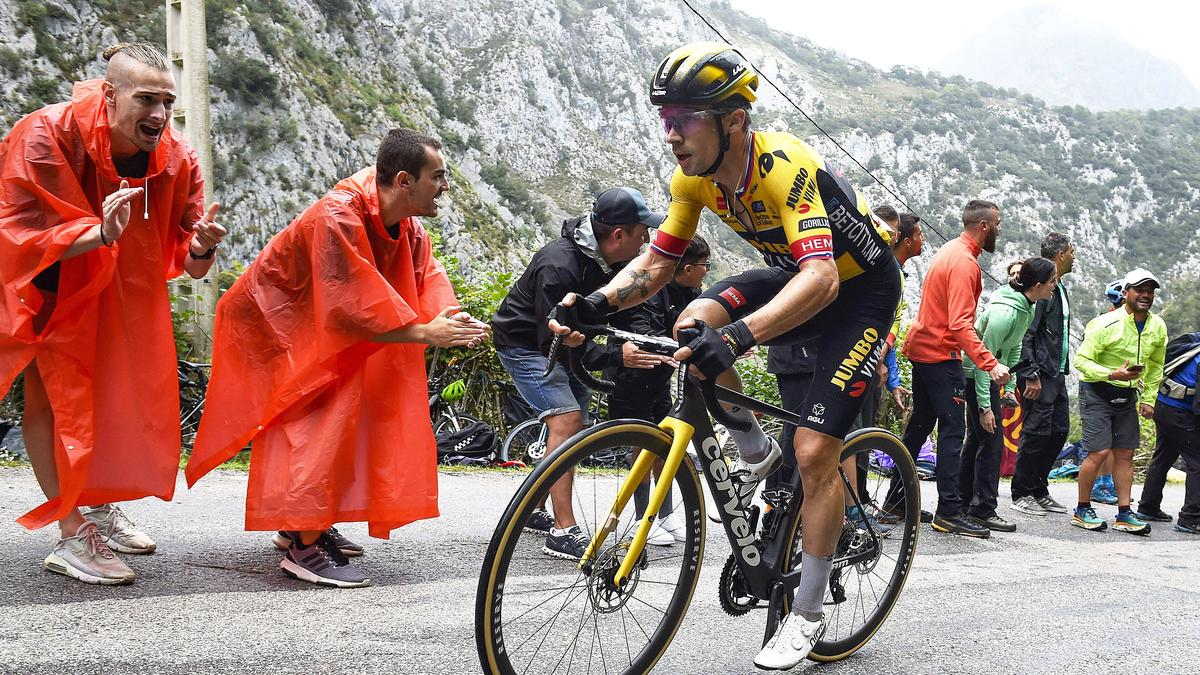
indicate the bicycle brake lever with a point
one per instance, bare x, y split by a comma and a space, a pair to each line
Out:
552, 356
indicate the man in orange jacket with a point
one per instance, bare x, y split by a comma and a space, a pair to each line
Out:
319, 362
100, 204
943, 332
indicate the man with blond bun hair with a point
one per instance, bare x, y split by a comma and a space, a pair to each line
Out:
100, 204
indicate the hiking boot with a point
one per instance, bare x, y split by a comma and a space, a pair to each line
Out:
284, 538
1187, 528
118, 530
790, 645
568, 545
321, 563
1047, 502
1088, 520
750, 473
1126, 521
960, 525
1154, 514
87, 558
1029, 506
539, 522
995, 523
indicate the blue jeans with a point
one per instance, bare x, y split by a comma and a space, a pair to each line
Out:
553, 394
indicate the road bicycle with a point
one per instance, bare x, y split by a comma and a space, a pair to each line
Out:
193, 383
527, 441
617, 609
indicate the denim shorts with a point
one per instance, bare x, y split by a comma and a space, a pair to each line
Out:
555, 394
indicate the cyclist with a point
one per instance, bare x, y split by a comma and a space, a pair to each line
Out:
830, 273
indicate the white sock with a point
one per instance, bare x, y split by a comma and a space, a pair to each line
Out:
753, 445
560, 531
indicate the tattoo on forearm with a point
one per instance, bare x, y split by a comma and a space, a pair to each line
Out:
638, 283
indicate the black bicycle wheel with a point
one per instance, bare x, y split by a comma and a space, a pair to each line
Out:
525, 443
450, 420
537, 614
861, 595
193, 383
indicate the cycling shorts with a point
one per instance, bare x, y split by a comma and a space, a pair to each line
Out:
847, 336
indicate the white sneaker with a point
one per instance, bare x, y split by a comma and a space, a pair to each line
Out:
658, 535
674, 524
753, 472
118, 530
792, 642
86, 557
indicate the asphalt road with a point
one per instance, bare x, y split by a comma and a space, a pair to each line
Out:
1049, 598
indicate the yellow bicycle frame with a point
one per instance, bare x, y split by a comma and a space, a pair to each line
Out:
681, 433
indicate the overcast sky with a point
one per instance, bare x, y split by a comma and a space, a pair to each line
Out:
922, 32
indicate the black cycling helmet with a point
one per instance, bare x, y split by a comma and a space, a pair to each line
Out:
704, 75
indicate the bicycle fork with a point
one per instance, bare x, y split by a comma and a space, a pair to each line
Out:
681, 433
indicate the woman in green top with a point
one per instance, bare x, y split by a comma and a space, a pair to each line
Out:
1001, 327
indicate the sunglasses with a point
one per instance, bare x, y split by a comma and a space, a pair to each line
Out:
683, 120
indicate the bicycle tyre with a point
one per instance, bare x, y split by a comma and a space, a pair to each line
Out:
516, 445
902, 539
510, 563
452, 421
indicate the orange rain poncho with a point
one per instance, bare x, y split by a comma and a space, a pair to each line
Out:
107, 355
339, 424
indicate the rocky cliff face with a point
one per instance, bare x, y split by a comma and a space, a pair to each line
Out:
542, 103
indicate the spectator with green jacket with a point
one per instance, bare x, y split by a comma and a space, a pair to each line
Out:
1121, 366
1001, 327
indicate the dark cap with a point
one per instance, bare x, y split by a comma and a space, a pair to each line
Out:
624, 206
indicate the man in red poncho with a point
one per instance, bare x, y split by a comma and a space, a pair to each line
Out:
319, 362
100, 204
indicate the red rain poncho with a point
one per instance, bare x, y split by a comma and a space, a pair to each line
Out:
339, 424
107, 355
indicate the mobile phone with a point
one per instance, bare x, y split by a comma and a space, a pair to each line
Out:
1136, 368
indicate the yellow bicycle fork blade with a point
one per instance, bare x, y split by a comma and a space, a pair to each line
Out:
681, 434
641, 469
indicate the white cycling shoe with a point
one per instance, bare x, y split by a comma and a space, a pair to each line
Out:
749, 473
792, 642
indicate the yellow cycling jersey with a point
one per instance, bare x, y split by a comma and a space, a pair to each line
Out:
792, 207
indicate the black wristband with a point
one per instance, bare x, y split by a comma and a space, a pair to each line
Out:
204, 256
102, 240
739, 337
600, 301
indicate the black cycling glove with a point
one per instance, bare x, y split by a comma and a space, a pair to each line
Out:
715, 351
588, 315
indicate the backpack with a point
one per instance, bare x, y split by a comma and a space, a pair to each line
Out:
474, 441
1180, 350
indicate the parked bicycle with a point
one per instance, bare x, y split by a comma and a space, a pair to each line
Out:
193, 383
618, 609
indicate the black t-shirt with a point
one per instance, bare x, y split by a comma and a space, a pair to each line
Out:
133, 167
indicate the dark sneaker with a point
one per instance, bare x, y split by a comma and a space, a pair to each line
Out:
284, 538
995, 523
321, 563
1156, 515
1187, 528
1051, 505
960, 525
1088, 520
569, 546
1029, 506
539, 522
893, 516
1126, 521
